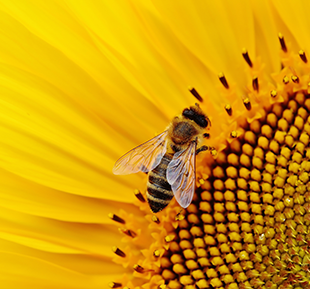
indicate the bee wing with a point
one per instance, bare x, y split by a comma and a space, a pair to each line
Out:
144, 157
181, 175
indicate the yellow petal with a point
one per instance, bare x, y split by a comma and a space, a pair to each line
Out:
19, 271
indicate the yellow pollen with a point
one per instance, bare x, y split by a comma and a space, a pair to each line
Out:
155, 219
213, 152
156, 253
273, 93
228, 108
295, 79
286, 80
233, 134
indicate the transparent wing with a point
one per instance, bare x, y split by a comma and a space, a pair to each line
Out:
181, 175
144, 157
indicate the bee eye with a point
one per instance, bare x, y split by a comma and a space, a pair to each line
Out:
198, 118
201, 120
188, 113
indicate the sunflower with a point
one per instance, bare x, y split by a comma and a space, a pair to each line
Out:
82, 82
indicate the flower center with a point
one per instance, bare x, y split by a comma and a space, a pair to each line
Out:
247, 226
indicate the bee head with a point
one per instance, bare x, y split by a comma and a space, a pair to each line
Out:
195, 114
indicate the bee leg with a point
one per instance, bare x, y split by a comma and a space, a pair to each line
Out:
201, 149
206, 135
179, 217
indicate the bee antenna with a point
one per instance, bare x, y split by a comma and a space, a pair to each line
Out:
195, 93
209, 121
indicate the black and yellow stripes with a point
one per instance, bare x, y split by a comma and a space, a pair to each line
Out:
159, 193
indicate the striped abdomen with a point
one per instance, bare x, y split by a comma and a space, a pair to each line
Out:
159, 192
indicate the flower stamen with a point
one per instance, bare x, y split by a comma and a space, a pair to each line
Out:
295, 79
286, 80
156, 253
273, 93
139, 196
141, 270
128, 232
195, 93
303, 56
282, 42
233, 134
255, 84
155, 219
247, 103
118, 252
246, 57
223, 80
115, 285
228, 109
116, 218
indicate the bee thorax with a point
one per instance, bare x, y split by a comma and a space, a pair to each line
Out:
183, 132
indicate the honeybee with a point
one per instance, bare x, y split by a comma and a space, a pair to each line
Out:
169, 160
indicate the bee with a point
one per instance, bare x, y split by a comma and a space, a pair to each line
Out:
169, 160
